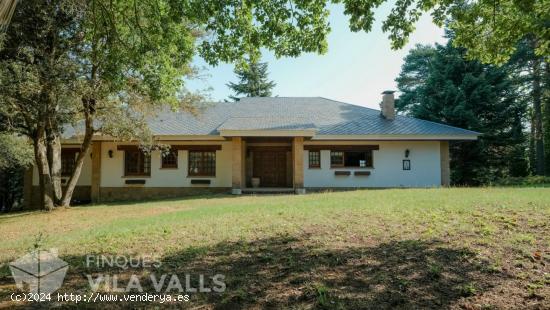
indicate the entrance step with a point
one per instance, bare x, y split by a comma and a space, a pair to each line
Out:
268, 190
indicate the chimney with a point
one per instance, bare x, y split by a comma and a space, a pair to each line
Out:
387, 106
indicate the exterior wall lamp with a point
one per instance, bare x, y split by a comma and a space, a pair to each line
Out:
407, 152
110, 152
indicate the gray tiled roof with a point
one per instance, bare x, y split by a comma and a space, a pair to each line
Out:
327, 117
267, 123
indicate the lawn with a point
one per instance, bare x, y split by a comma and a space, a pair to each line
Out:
465, 248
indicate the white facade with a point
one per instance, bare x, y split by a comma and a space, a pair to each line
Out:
387, 168
112, 169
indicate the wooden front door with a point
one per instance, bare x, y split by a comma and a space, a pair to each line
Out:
271, 168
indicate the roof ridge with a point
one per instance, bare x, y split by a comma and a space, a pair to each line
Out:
347, 103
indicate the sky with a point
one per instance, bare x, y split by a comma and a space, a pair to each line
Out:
356, 68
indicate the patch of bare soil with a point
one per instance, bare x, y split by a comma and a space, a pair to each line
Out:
293, 272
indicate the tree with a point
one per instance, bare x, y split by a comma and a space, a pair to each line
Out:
546, 116
37, 75
489, 30
88, 63
110, 62
16, 156
528, 73
518, 165
442, 85
253, 81
415, 71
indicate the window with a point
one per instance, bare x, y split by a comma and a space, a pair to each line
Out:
137, 163
68, 161
336, 159
170, 159
314, 159
361, 159
202, 163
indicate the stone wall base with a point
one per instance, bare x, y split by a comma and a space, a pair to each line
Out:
109, 194
82, 194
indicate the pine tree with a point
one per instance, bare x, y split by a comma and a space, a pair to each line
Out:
253, 81
518, 163
532, 87
471, 95
546, 117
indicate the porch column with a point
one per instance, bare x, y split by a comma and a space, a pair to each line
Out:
445, 163
96, 172
237, 165
298, 164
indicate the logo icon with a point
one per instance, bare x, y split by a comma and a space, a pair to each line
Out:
41, 271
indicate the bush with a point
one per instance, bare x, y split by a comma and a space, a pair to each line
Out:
534, 180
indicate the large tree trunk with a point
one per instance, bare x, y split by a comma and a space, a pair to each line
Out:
89, 108
537, 114
546, 116
54, 161
45, 181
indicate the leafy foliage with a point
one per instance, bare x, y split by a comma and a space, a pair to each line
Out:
530, 181
31, 70
253, 81
14, 151
546, 117
89, 63
16, 155
490, 30
235, 29
95, 63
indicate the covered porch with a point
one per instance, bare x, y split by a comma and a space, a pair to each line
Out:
267, 164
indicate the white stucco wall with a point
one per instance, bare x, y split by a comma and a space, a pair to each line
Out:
387, 168
85, 178
387, 171
112, 169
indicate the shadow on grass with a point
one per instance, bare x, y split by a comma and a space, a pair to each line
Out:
288, 272
120, 203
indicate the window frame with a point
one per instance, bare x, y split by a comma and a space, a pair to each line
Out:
66, 153
369, 165
169, 165
338, 165
204, 162
406, 164
141, 167
318, 159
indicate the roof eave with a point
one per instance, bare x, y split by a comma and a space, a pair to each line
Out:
419, 137
106, 138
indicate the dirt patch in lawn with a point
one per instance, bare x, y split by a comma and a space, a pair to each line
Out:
294, 272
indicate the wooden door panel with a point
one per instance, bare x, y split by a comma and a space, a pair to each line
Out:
270, 167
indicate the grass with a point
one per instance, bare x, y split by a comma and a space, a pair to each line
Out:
399, 248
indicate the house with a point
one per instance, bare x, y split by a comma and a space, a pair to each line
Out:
279, 144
